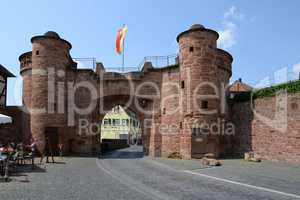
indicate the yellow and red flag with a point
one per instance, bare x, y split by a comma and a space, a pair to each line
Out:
120, 39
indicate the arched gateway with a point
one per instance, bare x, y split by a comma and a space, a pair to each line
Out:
68, 103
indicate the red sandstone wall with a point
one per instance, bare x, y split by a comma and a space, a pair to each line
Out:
170, 125
26, 73
50, 58
242, 118
153, 137
83, 142
201, 62
267, 141
12, 132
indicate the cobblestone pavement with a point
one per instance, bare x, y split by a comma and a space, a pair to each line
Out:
126, 174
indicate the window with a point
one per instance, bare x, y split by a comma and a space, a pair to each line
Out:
191, 49
294, 106
182, 84
106, 122
204, 104
37, 52
164, 110
124, 123
55, 107
117, 122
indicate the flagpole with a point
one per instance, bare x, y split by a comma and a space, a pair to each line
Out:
123, 57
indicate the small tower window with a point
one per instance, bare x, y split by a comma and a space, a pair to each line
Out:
294, 106
204, 104
164, 111
182, 84
55, 107
180, 125
37, 52
191, 49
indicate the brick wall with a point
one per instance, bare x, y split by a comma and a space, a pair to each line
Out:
272, 131
169, 126
12, 132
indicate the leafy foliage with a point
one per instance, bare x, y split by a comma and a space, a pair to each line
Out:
290, 87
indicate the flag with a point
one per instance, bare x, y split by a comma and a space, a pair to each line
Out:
120, 39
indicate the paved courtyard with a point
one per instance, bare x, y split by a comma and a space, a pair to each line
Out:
126, 174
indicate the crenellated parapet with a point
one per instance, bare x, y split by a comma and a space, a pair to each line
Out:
25, 61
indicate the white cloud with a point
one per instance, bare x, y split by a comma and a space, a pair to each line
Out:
227, 36
281, 75
296, 68
230, 12
233, 13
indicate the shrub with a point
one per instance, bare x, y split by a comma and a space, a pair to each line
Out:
290, 87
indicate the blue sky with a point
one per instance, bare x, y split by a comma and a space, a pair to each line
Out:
262, 36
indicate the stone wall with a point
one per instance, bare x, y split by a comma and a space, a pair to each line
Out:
12, 132
242, 118
169, 126
272, 131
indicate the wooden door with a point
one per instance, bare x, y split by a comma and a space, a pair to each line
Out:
52, 134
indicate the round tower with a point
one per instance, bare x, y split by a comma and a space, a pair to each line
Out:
200, 90
50, 59
26, 71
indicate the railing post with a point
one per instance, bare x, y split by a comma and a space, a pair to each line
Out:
167, 60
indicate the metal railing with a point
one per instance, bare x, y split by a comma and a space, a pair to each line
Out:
159, 61
85, 63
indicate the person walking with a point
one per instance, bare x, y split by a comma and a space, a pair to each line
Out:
32, 147
60, 149
47, 152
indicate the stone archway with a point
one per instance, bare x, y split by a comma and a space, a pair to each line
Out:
128, 103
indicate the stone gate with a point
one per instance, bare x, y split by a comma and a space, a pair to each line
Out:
172, 102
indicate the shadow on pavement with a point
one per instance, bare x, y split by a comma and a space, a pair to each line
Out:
28, 169
134, 152
21, 173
